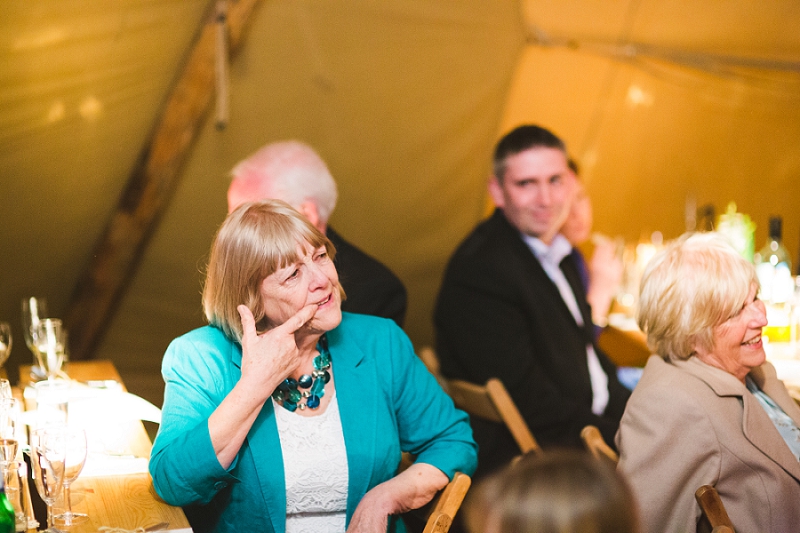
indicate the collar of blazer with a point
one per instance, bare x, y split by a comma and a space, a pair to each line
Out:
756, 425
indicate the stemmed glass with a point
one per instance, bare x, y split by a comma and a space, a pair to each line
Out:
50, 340
9, 415
14, 479
47, 459
74, 459
5, 388
33, 310
5, 342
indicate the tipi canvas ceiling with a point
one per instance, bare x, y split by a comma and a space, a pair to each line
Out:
659, 101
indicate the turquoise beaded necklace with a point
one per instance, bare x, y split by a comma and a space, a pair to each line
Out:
288, 393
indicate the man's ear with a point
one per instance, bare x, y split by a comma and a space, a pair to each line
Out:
311, 212
496, 192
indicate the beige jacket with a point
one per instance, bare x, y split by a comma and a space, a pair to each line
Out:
688, 424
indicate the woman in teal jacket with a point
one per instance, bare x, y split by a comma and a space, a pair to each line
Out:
285, 414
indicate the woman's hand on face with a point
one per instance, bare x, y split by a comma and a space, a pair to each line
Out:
271, 356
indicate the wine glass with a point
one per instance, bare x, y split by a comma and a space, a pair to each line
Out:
5, 388
14, 481
74, 459
47, 459
5, 342
33, 310
9, 416
49, 338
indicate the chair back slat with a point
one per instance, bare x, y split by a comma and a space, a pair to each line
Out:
492, 402
448, 502
438, 523
428, 356
474, 399
713, 509
599, 448
511, 416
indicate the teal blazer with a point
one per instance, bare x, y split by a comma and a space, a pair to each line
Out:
389, 403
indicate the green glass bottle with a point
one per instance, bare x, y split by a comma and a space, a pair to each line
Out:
8, 520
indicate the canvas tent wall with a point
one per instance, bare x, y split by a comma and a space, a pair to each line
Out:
657, 100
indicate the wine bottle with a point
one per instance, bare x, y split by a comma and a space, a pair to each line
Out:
8, 520
38, 506
774, 269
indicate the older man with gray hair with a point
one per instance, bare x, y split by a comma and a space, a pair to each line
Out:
293, 172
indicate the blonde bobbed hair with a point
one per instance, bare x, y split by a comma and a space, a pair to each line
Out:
696, 283
254, 241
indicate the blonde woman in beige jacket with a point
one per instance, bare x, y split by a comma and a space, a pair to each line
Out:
709, 409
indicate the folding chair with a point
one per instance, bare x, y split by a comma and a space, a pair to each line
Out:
447, 503
594, 442
428, 356
440, 512
713, 509
492, 402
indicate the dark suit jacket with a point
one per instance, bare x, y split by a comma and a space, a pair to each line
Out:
371, 288
499, 315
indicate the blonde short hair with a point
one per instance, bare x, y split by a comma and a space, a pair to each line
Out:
561, 491
254, 241
692, 286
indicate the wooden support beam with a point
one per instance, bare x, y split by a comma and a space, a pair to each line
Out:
149, 189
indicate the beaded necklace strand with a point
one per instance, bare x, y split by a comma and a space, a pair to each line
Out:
313, 385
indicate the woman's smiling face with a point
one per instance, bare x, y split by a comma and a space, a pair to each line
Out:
312, 279
737, 341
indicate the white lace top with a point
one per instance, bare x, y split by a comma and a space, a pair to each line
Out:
315, 463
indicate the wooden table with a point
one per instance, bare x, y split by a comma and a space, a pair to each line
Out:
126, 501
625, 347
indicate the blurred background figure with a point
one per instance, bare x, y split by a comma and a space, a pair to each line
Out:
603, 273
555, 492
293, 172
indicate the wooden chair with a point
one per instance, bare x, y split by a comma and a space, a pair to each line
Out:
438, 515
428, 356
492, 402
713, 509
446, 504
594, 442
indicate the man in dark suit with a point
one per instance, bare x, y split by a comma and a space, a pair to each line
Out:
512, 306
293, 172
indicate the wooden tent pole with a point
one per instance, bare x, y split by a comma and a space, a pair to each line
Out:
150, 186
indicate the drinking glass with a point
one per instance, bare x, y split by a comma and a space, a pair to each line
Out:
33, 310
52, 403
13, 477
47, 459
5, 342
9, 416
50, 339
74, 459
5, 388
